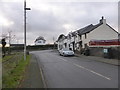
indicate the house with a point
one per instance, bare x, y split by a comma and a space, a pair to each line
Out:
62, 42
98, 32
40, 41
71, 37
82, 38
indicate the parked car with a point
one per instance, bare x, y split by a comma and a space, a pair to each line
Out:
66, 52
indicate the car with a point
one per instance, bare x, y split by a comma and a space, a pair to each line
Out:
66, 52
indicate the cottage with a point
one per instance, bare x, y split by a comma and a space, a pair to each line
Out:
83, 37
62, 43
40, 41
98, 32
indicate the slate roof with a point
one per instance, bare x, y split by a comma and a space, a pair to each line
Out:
88, 28
73, 33
62, 35
40, 38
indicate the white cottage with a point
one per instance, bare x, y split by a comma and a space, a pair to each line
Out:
81, 38
40, 41
62, 42
99, 32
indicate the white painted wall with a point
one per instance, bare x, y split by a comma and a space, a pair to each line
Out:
103, 32
40, 42
61, 43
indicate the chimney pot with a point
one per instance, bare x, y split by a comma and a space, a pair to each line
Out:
103, 20
102, 17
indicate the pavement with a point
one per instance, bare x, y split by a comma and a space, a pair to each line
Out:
33, 77
100, 59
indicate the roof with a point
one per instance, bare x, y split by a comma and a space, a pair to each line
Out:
61, 36
91, 27
88, 28
74, 33
40, 38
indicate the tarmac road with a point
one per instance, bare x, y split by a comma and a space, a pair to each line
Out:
75, 72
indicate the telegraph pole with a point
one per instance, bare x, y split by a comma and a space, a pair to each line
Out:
9, 32
25, 28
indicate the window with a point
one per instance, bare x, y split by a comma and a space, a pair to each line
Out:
69, 45
80, 43
44, 41
85, 45
85, 36
76, 36
80, 37
65, 45
39, 42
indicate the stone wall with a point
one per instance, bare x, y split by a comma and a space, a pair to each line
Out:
112, 52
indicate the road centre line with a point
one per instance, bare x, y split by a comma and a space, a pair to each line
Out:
64, 59
86, 69
92, 71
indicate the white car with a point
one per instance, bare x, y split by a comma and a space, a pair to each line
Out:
66, 52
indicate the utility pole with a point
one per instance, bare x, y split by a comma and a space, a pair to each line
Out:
53, 42
25, 28
9, 32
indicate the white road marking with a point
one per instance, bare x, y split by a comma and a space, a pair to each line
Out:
92, 71
64, 59
87, 69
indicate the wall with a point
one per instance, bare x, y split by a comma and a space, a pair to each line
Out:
114, 52
103, 32
34, 47
40, 42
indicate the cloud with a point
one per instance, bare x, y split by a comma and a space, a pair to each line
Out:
50, 19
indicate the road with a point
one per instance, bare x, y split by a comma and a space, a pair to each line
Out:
75, 72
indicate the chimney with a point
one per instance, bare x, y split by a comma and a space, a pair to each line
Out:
103, 21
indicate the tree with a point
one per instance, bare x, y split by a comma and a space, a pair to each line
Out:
3, 46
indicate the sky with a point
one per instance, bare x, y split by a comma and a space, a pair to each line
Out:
50, 18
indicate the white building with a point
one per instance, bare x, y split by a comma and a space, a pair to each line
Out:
40, 41
98, 32
62, 42
81, 38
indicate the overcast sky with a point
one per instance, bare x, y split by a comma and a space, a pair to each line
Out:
50, 19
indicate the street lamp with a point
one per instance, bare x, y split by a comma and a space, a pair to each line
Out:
25, 28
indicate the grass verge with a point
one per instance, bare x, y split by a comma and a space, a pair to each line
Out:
12, 79
9, 56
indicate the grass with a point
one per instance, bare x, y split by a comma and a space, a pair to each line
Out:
9, 56
12, 79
